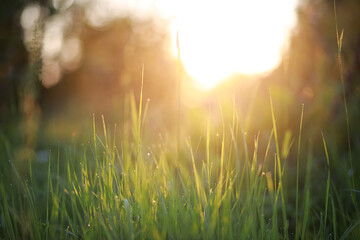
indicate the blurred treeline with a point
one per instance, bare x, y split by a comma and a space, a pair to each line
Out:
63, 61
309, 74
50, 89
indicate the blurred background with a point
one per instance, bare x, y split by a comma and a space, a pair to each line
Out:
62, 61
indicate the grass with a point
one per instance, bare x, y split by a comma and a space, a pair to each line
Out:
128, 183
124, 190
339, 40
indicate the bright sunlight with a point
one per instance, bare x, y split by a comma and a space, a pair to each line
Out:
218, 40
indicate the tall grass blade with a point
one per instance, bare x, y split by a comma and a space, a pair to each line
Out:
327, 182
297, 174
307, 200
339, 58
285, 222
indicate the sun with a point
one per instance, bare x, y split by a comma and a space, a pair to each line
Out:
219, 39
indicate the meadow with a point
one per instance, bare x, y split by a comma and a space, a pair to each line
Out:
220, 171
122, 182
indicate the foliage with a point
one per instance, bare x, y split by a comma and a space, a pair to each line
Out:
242, 163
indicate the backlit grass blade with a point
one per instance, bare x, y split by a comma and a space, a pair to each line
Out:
285, 222
208, 152
340, 64
199, 187
327, 182
297, 175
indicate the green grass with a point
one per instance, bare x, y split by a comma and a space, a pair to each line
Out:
123, 189
127, 182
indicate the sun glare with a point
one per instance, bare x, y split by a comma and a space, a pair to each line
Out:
220, 38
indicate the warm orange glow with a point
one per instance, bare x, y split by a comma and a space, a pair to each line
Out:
222, 38
217, 38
